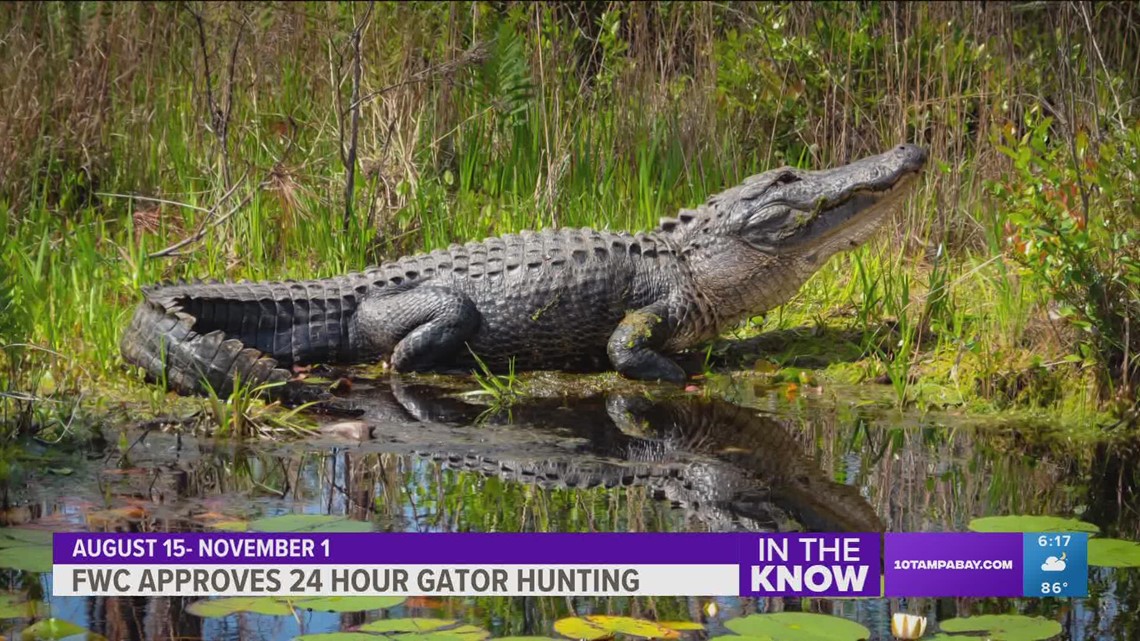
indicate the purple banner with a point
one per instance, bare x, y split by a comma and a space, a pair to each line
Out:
954, 564
798, 564
406, 548
825, 565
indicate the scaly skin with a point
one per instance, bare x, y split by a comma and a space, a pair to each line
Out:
569, 299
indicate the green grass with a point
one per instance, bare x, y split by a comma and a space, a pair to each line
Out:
501, 390
243, 416
534, 132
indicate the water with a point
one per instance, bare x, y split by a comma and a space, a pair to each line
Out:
422, 459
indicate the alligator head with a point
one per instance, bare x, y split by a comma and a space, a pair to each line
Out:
752, 246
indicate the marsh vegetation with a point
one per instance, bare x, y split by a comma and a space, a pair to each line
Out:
148, 142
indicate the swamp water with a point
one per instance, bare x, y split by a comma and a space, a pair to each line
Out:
426, 459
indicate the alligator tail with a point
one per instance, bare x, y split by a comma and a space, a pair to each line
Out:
208, 336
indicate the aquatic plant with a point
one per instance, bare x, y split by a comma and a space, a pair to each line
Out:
796, 626
1003, 627
500, 388
242, 414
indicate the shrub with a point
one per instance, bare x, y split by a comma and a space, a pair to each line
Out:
1073, 221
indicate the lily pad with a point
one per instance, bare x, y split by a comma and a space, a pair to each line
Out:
340, 637
224, 607
1005, 627
1030, 523
602, 626
386, 626
19, 537
56, 629
14, 606
24, 549
284, 606
798, 626
33, 558
1114, 553
309, 523
231, 526
460, 633
424, 630
579, 628
348, 603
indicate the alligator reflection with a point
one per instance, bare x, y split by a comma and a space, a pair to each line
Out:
727, 466
721, 466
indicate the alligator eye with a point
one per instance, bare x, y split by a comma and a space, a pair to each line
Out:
787, 178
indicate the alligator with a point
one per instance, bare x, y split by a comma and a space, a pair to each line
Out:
559, 299
725, 467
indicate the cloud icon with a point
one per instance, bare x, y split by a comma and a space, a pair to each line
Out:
1053, 564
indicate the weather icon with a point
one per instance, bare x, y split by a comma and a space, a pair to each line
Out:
1053, 564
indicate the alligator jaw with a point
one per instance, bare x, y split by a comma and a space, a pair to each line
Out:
811, 215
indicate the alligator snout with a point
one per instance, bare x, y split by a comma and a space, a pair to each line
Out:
913, 156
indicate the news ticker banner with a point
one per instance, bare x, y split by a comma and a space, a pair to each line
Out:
556, 564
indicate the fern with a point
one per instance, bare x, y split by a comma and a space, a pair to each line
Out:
504, 80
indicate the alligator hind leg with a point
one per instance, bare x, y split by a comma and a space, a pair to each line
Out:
633, 346
423, 328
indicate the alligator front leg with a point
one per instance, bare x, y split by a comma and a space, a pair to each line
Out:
633, 346
423, 328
